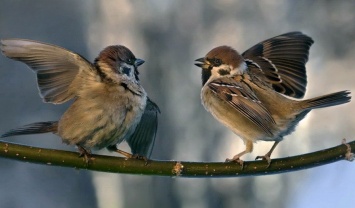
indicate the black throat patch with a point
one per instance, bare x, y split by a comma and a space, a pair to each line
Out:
206, 74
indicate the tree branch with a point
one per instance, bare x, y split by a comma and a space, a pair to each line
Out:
175, 168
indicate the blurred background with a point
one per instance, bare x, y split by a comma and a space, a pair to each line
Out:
170, 35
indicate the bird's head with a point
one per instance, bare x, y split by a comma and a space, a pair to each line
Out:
116, 61
221, 61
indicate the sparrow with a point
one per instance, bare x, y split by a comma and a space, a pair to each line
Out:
253, 93
109, 103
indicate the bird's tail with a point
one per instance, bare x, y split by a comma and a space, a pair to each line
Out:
34, 128
332, 99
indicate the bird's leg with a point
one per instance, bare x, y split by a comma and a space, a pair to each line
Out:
84, 153
268, 154
126, 154
115, 149
236, 158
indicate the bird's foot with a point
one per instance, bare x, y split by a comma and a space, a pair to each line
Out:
140, 157
265, 157
348, 155
128, 155
86, 154
236, 160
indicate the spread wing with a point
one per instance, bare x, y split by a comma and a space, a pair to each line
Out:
282, 60
241, 97
142, 140
56, 67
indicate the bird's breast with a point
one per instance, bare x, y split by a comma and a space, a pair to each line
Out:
103, 117
230, 117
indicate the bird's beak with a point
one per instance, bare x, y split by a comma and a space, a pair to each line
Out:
201, 63
138, 62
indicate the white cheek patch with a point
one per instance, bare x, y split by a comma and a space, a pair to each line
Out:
221, 70
240, 69
226, 70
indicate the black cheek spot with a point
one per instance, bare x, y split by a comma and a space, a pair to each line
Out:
223, 72
126, 70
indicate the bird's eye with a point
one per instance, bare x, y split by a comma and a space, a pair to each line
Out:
217, 62
129, 61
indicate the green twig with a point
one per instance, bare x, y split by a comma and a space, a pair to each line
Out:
174, 168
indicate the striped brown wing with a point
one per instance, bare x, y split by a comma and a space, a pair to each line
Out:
56, 67
282, 60
240, 96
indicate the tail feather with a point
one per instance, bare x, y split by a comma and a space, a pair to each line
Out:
332, 99
34, 128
